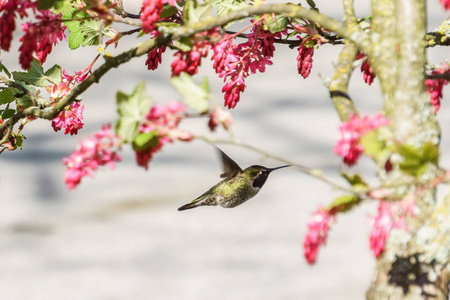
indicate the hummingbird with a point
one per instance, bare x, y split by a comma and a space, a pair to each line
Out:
237, 187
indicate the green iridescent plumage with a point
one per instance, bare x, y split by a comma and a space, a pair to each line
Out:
237, 187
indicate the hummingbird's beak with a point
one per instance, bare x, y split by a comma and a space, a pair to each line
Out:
273, 169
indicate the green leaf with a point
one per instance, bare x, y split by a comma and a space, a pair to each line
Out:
415, 161
195, 96
311, 3
6, 97
226, 6
184, 44
344, 203
24, 101
279, 23
47, 4
7, 113
91, 32
194, 13
146, 141
36, 76
167, 11
131, 109
355, 180
4, 69
373, 146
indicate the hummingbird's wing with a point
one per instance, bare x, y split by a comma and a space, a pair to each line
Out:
230, 167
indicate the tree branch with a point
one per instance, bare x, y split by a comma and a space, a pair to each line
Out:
338, 86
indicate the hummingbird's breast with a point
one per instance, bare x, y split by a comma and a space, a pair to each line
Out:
236, 192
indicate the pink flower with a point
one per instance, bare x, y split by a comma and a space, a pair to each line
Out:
163, 120
70, 118
93, 152
237, 62
435, 86
348, 146
304, 60
40, 37
154, 58
390, 215
366, 69
446, 4
317, 233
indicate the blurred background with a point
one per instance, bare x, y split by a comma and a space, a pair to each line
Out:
119, 235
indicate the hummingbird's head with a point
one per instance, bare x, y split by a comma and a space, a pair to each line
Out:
259, 174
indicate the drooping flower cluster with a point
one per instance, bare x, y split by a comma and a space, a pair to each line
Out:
304, 60
317, 233
348, 146
8, 11
435, 86
154, 58
162, 120
40, 37
93, 152
189, 61
366, 69
150, 11
235, 63
390, 215
69, 119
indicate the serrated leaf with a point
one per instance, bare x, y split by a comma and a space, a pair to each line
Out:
131, 109
146, 141
344, 203
277, 24
76, 37
24, 101
35, 75
6, 97
415, 161
47, 4
194, 95
91, 32
54, 73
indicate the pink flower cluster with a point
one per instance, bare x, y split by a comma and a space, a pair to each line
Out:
390, 215
348, 146
8, 11
446, 4
93, 152
235, 63
150, 11
154, 58
304, 60
40, 37
189, 62
70, 119
366, 69
317, 233
435, 86
164, 121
